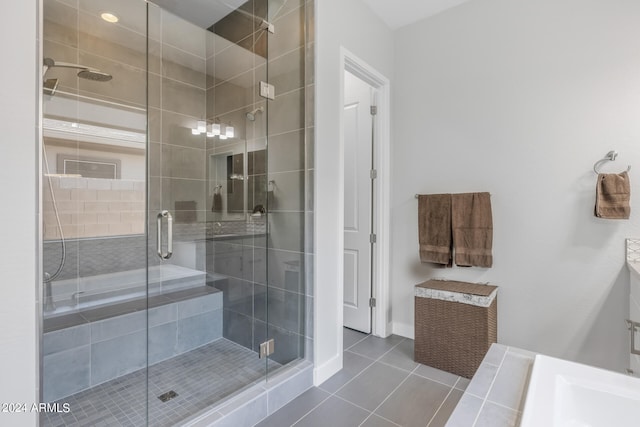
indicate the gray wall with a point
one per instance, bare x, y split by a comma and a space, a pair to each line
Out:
521, 99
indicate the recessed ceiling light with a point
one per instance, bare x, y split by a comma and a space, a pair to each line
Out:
109, 17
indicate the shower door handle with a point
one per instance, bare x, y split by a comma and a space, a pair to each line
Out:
165, 255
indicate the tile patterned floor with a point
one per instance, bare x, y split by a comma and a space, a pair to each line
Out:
380, 385
200, 377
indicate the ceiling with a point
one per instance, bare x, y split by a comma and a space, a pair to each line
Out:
398, 13
394, 13
203, 13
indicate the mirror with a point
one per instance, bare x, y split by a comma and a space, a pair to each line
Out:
237, 182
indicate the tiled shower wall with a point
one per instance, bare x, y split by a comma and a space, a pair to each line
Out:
89, 207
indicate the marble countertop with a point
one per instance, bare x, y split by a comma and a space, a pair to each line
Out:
495, 396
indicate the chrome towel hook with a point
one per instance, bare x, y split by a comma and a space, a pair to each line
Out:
610, 157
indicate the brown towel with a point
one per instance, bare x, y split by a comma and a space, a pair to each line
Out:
434, 228
472, 224
613, 192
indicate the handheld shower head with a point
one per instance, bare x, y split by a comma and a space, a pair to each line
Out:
252, 114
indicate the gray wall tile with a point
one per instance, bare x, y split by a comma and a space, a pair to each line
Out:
237, 296
286, 72
115, 42
288, 191
176, 130
60, 23
162, 342
65, 339
118, 356
286, 112
290, 34
198, 330
286, 151
163, 314
182, 162
286, 231
182, 98
200, 305
128, 84
118, 326
66, 373
183, 66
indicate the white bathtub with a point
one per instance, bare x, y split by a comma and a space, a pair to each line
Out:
568, 394
83, 293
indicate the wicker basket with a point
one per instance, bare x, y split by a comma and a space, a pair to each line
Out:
455, 324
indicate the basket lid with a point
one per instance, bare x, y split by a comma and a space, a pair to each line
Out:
463, 292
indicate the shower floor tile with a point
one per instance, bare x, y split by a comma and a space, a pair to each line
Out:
200, 378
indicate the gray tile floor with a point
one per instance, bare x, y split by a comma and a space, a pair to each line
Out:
200, 377
379, 385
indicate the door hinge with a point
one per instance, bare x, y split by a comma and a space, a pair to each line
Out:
372, 302
267, 90
374, 110
373, 173
372, 238
267, 348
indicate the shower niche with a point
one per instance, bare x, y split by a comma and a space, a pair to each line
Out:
170, 254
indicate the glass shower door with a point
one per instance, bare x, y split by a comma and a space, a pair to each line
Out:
94, 122
207, 209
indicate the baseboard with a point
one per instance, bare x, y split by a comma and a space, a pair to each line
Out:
403, 329
327, 370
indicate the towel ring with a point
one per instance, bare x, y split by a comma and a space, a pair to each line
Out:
610, 157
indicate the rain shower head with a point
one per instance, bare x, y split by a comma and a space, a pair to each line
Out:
84, 73
252, 114
95, 75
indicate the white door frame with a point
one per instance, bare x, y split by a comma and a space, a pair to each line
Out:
381, 325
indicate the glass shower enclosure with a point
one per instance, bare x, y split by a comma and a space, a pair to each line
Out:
173, 204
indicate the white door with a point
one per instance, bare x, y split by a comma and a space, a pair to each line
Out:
358, 146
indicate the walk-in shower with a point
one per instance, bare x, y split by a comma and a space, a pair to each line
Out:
157, 140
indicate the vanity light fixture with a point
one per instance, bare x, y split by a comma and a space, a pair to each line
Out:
214, 130
201, 127
109, 17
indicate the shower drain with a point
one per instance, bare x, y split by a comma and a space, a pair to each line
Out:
165, 397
